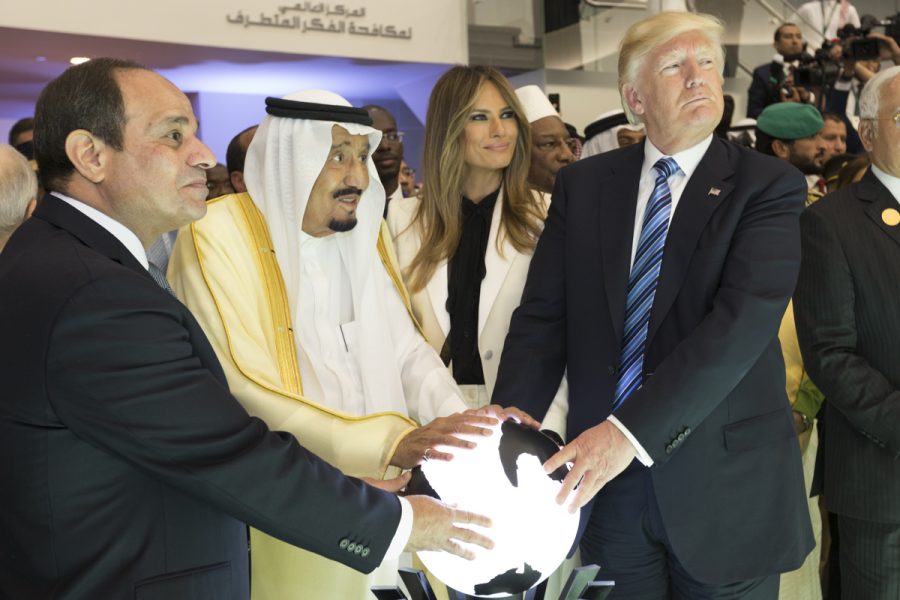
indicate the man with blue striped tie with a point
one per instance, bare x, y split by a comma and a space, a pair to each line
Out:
659, 283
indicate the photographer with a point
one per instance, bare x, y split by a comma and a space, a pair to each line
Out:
774, 82
862, 51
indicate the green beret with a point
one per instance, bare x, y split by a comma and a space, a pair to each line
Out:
790, 121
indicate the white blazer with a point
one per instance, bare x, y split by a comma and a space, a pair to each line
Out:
501, 293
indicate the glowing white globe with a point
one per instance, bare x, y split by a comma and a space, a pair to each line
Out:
502, 478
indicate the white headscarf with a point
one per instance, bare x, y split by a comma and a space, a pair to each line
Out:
283, 162
606, 140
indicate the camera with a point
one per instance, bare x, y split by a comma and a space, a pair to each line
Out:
817, 70
860, 48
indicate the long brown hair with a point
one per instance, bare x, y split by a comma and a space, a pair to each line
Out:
439, 213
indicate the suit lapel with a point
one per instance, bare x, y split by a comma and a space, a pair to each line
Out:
496, 266
878, 199
90, 233
697, 203
616, 208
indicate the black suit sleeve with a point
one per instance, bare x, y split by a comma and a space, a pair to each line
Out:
759, 92
825, 308
753, 290
536, 342
123, 375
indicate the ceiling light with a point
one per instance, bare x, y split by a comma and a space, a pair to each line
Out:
77, 60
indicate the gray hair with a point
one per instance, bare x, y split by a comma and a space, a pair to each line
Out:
870, 99
18, 187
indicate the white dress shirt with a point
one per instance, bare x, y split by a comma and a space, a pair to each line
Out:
127, 237
133, 245
687, 163
821, 19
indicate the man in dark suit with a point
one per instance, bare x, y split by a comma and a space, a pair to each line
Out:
659, 282
126, 468
773, 82
848, 326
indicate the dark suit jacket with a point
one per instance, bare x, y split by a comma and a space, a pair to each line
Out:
712, 412
848, 325
767, 80
127, 469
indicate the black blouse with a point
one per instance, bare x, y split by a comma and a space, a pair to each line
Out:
465, 272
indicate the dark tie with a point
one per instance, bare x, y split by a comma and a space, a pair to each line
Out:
642, 282
159, 277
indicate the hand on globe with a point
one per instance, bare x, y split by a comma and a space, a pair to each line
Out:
440, 432
598, 454
434, 528
505, 413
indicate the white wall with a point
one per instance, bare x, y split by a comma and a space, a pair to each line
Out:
438, 28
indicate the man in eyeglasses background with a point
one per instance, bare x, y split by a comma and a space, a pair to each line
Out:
389, 154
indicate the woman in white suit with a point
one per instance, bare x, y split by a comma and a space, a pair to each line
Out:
465, 243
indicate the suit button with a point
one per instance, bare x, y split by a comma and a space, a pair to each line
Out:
611, 369
351, 547
359, 549
680, 437
489, 355
669, 448
343, 543
687, 431
365, 552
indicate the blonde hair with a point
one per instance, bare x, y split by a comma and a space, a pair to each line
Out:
645, 36
438, 217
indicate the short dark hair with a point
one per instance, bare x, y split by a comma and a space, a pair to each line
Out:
236, 154
830, 116
782, 26
20, 127
86, 96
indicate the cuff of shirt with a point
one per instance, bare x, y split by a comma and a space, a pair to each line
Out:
404, 530
641, 453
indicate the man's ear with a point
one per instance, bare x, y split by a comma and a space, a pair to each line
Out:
633, 99
32, 204
88, 154
237, 181
866, 132
781, 149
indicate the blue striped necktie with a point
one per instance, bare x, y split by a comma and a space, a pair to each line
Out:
642, 282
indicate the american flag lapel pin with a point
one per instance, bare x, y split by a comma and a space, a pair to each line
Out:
714, 191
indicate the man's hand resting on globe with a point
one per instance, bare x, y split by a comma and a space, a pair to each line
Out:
422, 443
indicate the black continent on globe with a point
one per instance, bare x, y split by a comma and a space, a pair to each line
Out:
518, 439
509, 582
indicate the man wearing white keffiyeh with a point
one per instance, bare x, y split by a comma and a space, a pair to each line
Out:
298, 290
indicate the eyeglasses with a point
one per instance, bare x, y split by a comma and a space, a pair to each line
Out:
394, 136
895, 119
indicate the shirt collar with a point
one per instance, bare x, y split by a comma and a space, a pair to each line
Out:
125, 236
889, 181
687, 159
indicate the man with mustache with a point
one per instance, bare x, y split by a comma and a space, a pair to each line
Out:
550, 139
773, 82
790, 131
295, 283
